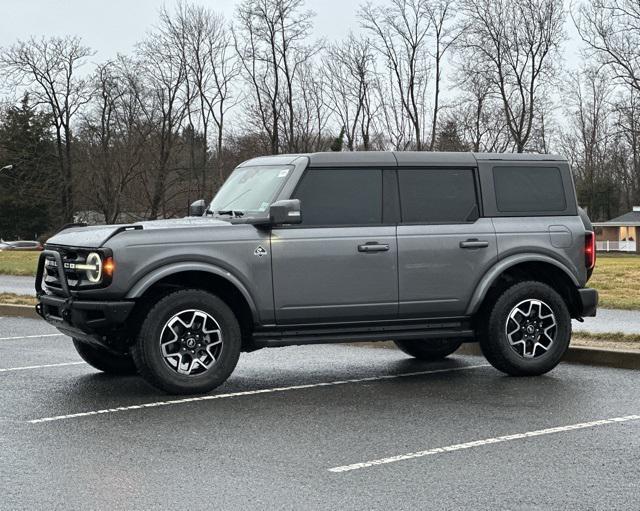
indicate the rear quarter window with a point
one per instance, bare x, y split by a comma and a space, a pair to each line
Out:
524, 189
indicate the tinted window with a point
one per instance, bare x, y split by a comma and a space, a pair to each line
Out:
438, 196
524, 189
341, 197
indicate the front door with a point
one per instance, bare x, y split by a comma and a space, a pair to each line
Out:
340, 264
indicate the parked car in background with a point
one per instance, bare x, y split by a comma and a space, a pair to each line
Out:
22, 245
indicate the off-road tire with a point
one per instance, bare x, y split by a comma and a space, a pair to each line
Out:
429, 349
105, 361
147, 353
493, 337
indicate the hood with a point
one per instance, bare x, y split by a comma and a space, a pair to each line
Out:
97, 235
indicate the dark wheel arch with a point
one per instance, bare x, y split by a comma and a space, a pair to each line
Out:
212, 283
538, 271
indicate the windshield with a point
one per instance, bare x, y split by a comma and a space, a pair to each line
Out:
249, 190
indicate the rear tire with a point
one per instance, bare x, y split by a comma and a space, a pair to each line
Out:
105, 361
429, 349
189, 343
528, 330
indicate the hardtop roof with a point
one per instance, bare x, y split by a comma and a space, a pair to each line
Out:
398, 158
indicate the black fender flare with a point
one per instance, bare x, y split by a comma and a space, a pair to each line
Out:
158, 274
501, 266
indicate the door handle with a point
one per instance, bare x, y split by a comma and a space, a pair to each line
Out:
474, 243
373, 247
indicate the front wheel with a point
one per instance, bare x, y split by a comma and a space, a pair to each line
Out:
189, 343
429, 349
105, 361
528, 330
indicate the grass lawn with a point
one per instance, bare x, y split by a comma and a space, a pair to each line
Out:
608, 341
11, 299
616, 277
18, 263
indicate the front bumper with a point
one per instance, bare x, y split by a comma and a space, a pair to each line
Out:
96, 322
84, 320
588, 301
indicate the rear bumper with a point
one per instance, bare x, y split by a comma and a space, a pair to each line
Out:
84, 320
588, 301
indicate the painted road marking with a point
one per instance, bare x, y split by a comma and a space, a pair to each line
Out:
486, 441
23, 368
30, 337
246, 393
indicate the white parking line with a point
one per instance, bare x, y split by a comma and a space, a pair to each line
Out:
10, 369
486, 441
30, 337
246, 393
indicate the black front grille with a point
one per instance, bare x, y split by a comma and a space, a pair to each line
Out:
69, 257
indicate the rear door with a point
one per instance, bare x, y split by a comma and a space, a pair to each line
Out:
340, 264
444, 245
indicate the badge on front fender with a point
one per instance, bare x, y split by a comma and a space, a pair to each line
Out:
260, 251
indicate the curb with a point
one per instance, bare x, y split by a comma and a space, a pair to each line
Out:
18, 311
620, 359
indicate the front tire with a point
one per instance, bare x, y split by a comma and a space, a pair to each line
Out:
105, 361
189, 343
429, 349
528, 331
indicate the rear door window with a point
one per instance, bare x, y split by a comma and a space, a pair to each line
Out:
529, 189
438, 196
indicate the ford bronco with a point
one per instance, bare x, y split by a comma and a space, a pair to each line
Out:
428, 250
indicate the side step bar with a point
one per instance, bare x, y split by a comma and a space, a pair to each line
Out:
336, 334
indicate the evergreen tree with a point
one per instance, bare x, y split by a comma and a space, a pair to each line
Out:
29, 193
449, 138
338, 142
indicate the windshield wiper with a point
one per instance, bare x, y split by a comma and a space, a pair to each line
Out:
233, 212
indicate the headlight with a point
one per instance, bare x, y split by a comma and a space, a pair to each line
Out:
94, 267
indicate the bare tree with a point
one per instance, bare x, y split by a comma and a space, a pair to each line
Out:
48, 69
589, 134
479, 114
163, 70
270, 40
400, 33
516, 43
611, 30
350, 76
114, 136
211, 66
445, 34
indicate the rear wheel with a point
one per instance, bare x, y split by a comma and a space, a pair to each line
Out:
528, 330
105, 361
189, 343
429, 349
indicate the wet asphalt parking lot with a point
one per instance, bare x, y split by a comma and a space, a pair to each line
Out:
320, 427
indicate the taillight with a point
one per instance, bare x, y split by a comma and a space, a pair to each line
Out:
590, 250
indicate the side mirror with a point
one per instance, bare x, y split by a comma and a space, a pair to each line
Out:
197, 208
285, 212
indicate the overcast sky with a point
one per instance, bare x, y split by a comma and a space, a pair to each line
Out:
112, 26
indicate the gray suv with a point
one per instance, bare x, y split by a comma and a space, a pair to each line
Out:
429, 250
